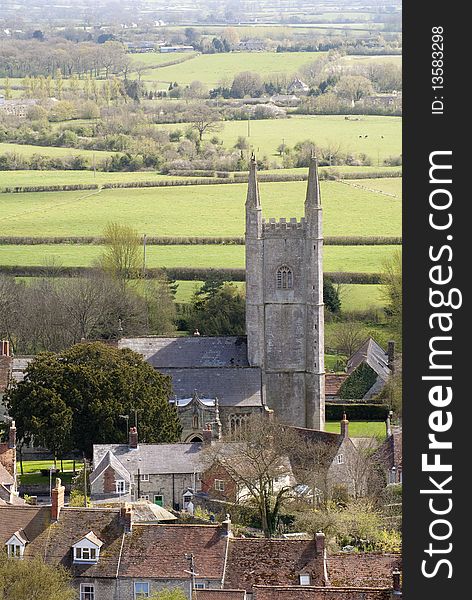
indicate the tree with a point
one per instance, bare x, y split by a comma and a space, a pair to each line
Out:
7, 89
246, 83
349, 336
169, 594
82, 391
392, 280
122, 256
220, 312
354, 87
255, 457
331, 297
203, 120
33, 579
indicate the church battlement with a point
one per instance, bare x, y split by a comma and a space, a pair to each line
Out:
273, 226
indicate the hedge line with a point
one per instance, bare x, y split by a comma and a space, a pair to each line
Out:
356, 412
183, 273
191, 241
49, 188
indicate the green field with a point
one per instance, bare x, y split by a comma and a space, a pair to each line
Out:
333, 131
53, 151
368, 259
30, 177
353, 296
354, 60
210, 69
359, 428
154, 59
194, 210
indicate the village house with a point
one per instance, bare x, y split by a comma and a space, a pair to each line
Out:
389, 457
16, 107
111, 556
8, 473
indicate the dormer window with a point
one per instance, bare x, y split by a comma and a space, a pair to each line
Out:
284, 278
87, 550
16, 544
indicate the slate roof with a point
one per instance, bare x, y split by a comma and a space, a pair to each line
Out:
150, 459
271, 562
371, 353
232, 387
106, 460
5, 477
187, 352
390, 453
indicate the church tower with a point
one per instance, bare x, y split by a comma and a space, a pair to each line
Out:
284, 305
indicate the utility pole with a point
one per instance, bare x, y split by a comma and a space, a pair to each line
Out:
144, 254
85, 480
191, 558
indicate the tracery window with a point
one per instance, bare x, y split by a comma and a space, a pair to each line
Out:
284, 279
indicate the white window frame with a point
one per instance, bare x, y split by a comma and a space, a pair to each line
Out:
305, 579
141, 594
220, 485
86, 554
200, 585
144, 497
144, 476
340, 459
120, 486
15, 550
87, 594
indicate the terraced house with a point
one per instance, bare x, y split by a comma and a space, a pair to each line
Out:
113, 557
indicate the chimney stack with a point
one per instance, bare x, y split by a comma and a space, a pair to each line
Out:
320, 543
391, 355
12, 436
344, 426
133, 437
207, 434
4, 348
227, 526
57, 499
126, 513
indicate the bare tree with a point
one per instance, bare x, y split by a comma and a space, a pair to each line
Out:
258, 462
203, 120
122, 256
349, 336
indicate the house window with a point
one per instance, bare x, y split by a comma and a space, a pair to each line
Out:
284, 279
144, 497
15, 550
340, 459
219, 485
120, 486
87, 591
141, 589
89, 554
305, 579
200, 585
144, 476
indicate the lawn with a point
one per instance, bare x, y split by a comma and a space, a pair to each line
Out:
53, 151
359, 428
210, 69
33, 476
377, 137
194, 211
367, 259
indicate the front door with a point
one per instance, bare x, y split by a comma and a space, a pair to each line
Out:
159, 500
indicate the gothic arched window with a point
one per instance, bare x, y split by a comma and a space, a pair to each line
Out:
284, 280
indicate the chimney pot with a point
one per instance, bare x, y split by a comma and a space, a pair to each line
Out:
344, 426
391, 354
227, 526
12, 436
396, 575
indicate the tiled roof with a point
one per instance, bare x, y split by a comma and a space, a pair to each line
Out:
363, 569
232, 386
185, 352
271, 562
333, 382
220, 595
159, 551
320, 593
151, 459
5, 477
390, 453
371, 353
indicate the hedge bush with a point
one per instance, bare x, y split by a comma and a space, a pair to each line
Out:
356, 412
358, 383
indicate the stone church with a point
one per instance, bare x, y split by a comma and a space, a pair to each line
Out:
279, 365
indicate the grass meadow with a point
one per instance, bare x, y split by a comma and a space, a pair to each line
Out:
202, 210
53, 151
376, 136
368, 259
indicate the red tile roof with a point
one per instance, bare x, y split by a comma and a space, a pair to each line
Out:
320, 593
220, 595
159, 551
271, 562
363, 570
333, 382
